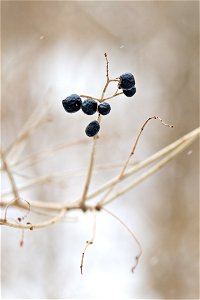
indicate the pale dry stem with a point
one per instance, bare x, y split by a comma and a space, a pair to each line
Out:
34, 121
89, 242
44, 154
55, 219
170, 152
137, 257
150, 172
90, 169
131, 154
12, 182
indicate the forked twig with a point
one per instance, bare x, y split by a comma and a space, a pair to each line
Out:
131, 154
30, 226
169, 152
131, 233
151, 171
108, 81
89, 242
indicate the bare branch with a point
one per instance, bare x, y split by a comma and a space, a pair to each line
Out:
31, 226
151, 171
132, 153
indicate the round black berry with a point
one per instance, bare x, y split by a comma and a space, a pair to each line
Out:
130, 93
72, 103
126, 81
89, 106
92, 129
104, 108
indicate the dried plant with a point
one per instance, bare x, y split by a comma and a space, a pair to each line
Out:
11, 160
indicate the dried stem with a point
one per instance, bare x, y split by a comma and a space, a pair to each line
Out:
10, 176
89, 242
131, 154
12, 182
40, 180
114, 95
151, 171
131, 233
31, 226
34, 121
37, 157
90, 97
174, 148
108, 81
90, 169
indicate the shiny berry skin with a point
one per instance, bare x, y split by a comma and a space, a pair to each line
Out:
92, 129
104, 108
72, 103
126, 81
89, 106
130, 93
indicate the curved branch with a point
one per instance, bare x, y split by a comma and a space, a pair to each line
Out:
30, 226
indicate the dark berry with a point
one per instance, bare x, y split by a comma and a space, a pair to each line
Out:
104, 108
89, 106
92, 129
72, 103
126, 81
130, 93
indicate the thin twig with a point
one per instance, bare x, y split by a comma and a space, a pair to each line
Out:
10, 176
34, 158
90, 169
40, 180
131, 233
132, 153
34, 121
151, 171
107, 78
89, 242
90, 97
107, 69
12, 182
114, 95
138, 166
182, 142
31, 226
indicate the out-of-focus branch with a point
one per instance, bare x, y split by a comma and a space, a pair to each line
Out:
10, 176
151, 171
167, 153
35, 120
30, 226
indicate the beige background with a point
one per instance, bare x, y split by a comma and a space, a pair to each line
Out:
51, 49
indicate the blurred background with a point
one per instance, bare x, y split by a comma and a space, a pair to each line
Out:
51, 49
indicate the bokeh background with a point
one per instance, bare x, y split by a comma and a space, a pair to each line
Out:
51, 49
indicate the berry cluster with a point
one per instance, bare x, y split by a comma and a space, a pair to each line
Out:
127, 84
74, 103
90, 106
